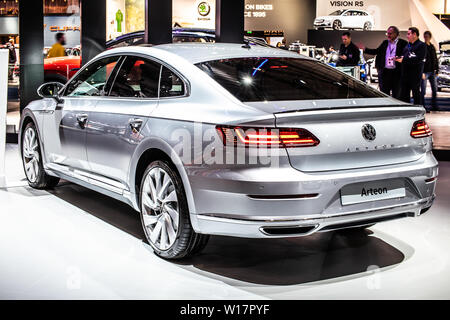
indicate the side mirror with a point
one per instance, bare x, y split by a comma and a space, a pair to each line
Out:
50, 90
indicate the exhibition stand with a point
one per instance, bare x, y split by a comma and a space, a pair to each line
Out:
4, 55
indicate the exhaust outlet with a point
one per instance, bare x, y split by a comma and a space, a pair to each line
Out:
288, 231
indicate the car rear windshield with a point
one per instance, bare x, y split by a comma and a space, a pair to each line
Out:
280, 79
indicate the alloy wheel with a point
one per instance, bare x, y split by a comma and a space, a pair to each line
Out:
30, 151
160, 209
337, 25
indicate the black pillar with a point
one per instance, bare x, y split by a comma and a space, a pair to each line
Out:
158, 21
93, 29
230, 21
31, 28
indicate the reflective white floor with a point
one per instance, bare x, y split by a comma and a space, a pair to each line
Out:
72, 243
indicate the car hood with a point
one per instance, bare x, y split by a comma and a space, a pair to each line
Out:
274, 107
325, 17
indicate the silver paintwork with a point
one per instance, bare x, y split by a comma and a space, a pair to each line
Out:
103, 153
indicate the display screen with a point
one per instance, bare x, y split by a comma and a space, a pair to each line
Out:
281, 79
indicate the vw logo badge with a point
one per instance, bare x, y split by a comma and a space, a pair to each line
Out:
368, 132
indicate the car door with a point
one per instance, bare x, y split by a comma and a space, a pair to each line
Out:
66, 122
360, 19
346, 19
115, 126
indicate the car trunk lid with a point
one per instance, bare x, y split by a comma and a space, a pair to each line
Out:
343, 144
339, 129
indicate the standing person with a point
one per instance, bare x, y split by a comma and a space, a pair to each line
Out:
58, 50
430, 69
349, 54
12, 58
412, 61
389, 71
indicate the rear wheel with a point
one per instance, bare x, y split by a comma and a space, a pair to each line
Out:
367, 26
32, 160
165, 215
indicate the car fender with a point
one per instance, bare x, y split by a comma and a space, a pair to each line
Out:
157, 143
28, 113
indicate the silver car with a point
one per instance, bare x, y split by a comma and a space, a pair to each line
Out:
233, 140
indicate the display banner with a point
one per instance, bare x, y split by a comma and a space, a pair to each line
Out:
401, 13
384, 12
70, 25
115, 18
194, 13
378, 15
9, 25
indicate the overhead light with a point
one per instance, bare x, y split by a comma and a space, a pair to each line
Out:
247, 81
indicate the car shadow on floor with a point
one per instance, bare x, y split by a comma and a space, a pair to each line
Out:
322, 256
112, 211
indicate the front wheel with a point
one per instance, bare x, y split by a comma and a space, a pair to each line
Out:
165, 215
32, 160
337, 25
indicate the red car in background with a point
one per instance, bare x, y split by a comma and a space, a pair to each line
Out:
61, 69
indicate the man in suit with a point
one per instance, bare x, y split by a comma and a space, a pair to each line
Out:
389, 71
349, 54
412, 60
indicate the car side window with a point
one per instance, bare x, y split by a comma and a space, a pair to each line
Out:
171, 85
92, 79
138, 78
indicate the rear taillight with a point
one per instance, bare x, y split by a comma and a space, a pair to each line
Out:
420, 129
288, 138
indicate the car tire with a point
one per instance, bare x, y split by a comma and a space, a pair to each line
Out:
337, 25
367, 26
32, 160
165, 215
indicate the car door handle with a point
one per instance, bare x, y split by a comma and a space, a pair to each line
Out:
82, 119
136, 124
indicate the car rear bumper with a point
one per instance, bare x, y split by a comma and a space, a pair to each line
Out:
309, 202
298, 226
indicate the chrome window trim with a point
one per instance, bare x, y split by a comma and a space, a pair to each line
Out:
186, 82
134, 98
63, 90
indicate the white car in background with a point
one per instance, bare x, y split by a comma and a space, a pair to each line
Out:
345, 19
